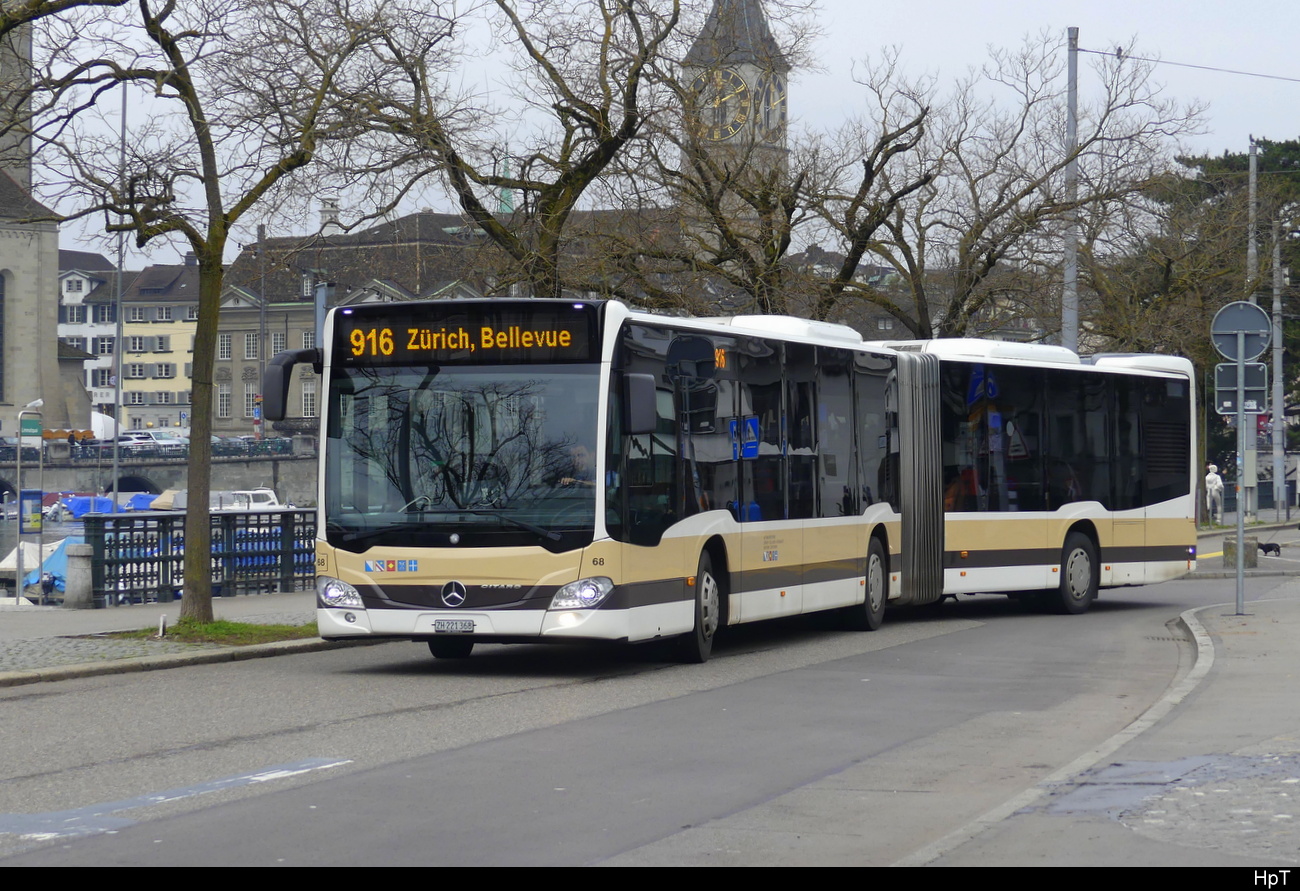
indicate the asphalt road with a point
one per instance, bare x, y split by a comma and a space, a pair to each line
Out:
796, 744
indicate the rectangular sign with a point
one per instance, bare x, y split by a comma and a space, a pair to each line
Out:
1256, 389
492, 332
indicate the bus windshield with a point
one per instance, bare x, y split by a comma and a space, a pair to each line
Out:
462, 456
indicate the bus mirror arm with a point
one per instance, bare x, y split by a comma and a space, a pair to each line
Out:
275, 381
639, 414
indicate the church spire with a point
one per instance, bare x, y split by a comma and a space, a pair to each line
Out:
736, 33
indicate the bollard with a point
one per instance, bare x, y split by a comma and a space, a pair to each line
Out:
1230, 552
78, 592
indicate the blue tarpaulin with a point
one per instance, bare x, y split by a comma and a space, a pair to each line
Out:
80, 505
141, 501
56, 564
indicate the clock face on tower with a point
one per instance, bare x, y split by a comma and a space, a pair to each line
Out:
723, 104
769, 99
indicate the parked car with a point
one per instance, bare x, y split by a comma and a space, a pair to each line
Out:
140, 444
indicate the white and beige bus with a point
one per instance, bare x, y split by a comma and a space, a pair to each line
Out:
532, 470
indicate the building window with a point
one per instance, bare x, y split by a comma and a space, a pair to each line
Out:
164, 313
101, 377
76, 315
134, 398
77, 342
135, 314
279, 342
163, 398
884, 324
164, 420
309, 340
185, 398
103, 346
162, 344
309, 398
223, 400
225, 346
135, 344
192, 314
250, 399
137, 423
104, 314
250, 346
72, 286
135, 370
165, 370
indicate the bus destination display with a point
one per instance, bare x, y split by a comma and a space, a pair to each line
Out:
465, 334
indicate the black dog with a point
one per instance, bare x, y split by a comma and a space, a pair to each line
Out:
1270, 549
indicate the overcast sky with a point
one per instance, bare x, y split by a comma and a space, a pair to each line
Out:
946, 37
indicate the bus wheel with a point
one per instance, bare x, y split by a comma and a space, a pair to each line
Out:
868, 615
1080, 574
451, 647
696, 646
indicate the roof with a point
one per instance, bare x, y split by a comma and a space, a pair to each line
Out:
164, 282
413, 254
69, 352
736, 31
105, 291
84, 261
16, 203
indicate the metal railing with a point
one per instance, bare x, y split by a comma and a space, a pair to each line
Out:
139, 557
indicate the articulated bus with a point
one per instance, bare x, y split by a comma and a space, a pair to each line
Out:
543, 470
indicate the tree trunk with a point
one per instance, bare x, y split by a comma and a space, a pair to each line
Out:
196, 604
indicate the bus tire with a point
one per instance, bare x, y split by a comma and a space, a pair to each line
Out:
696, 646
1080, 575
451, 647
867, 615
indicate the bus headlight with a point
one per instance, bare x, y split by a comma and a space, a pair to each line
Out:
331, 592
583, 594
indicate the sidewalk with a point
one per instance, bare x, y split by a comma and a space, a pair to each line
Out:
1209, 776
46, 643
1209, 564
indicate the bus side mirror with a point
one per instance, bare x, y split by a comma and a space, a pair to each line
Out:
639, 396
275, 380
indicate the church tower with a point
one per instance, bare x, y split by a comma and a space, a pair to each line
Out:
736, 78
29, 269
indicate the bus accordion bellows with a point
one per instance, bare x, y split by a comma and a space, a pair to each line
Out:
508, 470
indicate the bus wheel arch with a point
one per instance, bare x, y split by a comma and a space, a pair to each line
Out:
1080, 572
868, 615
710, 602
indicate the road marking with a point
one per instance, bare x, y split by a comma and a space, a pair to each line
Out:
96, 818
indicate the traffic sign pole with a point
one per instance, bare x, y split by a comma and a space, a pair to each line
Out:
1241, 331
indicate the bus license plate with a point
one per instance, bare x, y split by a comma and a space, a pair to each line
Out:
453, 626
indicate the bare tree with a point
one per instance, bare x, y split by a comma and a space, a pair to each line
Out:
16, 13
986, 223
232, 100
583, 73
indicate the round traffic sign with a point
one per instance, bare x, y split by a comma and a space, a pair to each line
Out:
1244, 318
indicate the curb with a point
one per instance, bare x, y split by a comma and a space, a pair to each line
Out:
173, 660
